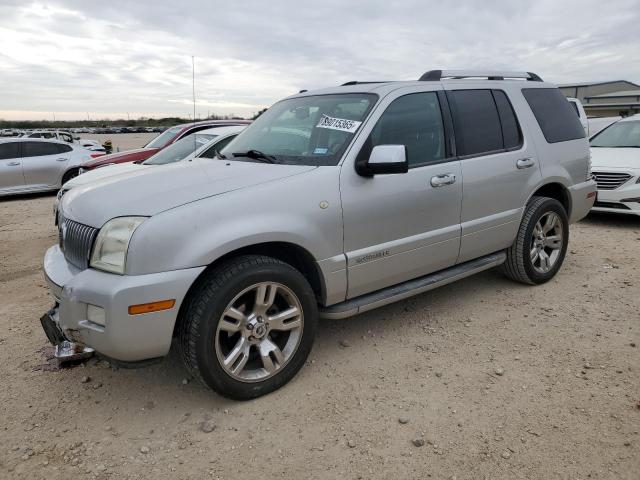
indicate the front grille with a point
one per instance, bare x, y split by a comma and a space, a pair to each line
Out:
610, 180
76, 241
619, 206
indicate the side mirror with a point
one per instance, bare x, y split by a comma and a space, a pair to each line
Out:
384, 159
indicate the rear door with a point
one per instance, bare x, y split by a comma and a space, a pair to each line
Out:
499, 168
10, 165
44, 162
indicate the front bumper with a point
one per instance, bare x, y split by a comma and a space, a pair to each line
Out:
612, 200
124, 337
582, 197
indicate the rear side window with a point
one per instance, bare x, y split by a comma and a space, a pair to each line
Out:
555, 116
63, 148
575, 107
9, 150
511, 134
476, 122
38, 149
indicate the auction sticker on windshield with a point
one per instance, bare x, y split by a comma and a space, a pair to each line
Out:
338, 124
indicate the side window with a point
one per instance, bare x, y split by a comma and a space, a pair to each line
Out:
511, 133
38, 149
475, 121
211, 151
555, 116
63, 148
414, 121
575, 107
9, 150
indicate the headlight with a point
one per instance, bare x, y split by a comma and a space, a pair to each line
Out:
112, 243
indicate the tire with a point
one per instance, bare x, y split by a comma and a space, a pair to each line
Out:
208, 340
68, 175
522, 264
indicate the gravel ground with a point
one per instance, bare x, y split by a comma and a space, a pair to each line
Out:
481, 379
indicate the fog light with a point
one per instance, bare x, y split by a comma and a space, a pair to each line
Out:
96, 315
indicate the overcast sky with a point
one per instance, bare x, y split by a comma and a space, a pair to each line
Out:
108, 58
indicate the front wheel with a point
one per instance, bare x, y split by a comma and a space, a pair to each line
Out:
541, 245
249, 326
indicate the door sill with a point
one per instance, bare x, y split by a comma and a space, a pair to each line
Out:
413, 287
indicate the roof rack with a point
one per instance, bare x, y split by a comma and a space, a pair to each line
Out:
436, 75
355, 82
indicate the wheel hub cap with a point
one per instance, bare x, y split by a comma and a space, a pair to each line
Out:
259, 332
547, 242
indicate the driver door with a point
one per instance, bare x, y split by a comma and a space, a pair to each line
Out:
402, 226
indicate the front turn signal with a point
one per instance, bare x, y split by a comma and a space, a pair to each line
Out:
151, 307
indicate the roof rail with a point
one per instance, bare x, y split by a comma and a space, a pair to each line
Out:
355, 82
436, 75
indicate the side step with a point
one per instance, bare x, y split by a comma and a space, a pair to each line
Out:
410, 288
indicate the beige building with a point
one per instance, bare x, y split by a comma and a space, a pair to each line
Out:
606, 99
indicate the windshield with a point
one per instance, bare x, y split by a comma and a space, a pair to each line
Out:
164, 138
180, 150
313, 130
621, 134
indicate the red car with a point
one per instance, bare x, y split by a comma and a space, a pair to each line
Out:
163, 140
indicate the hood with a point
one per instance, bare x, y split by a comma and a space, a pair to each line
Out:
121, 157
103, 172
153, 190
603, 157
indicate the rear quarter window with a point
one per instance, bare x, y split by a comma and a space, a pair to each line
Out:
557, 119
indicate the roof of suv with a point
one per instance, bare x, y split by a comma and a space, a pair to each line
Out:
465, 77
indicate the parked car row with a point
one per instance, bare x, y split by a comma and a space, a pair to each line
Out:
330, 204
203, 144
58, 159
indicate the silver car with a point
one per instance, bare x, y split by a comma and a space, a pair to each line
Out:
30, 165
330, 204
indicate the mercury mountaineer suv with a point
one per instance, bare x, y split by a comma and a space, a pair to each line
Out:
330, 204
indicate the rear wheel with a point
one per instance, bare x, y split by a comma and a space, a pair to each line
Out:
249, 327
541, 245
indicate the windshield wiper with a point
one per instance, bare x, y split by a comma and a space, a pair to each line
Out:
257, 155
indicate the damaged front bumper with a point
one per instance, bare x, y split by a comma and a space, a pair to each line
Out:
119, 335
65, 350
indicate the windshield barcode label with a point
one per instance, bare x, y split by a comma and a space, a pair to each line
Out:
338, 124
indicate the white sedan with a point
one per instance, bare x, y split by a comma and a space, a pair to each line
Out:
203, 144
29, 165
615, 159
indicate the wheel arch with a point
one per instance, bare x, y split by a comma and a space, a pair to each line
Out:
290, 253
557, 191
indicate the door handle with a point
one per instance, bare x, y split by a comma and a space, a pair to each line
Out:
13, 164
442, 180
61, 159
525, 163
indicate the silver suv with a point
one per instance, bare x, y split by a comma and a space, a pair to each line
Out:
330, 204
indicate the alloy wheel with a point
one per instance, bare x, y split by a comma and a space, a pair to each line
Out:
259, 332
546, 242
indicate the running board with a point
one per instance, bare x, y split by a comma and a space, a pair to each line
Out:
388, 295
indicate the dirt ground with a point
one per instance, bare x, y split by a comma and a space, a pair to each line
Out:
121, 141
481, 379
